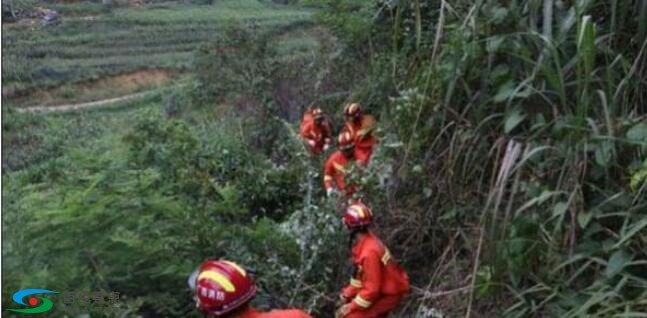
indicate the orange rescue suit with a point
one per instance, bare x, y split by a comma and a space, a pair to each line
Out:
289, 313
363, 137
335, 169
319, 134
379, 284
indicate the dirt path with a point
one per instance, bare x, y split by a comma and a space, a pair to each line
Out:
83, 106
92, 90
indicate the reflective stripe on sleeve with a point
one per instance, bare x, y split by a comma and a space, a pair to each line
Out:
386, 257
362, 302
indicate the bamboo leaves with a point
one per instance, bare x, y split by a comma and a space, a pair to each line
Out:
585, 59
630, 231
639, 178
513, 119
505, 91
638, 134
583, 218
617, 262
418, 16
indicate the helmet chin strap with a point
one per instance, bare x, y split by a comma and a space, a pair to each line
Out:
351, 237
193, 279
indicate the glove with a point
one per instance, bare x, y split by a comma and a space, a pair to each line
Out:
329, 192
342, 300
342, 311
326, 146
311, 142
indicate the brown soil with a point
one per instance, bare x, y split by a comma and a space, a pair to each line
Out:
103, 88
134, 80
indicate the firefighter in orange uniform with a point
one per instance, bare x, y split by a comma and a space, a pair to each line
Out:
378, 284
361, 127
315, 131
224, 289
337, 166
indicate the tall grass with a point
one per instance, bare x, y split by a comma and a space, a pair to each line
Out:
518, 122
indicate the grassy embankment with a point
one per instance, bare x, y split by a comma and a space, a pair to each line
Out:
94, 54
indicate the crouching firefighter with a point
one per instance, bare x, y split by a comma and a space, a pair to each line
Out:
378, 284
362, 128
338, 165
224, 289
315, 131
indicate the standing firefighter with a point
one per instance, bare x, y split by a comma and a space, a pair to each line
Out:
315, 131
361, 128
378, 284
337, 166
224, 289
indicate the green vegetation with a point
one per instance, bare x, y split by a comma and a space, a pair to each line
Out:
125, 39
511, 134
510, 179
146, 168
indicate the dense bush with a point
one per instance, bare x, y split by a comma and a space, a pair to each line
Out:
138, 215
509, 151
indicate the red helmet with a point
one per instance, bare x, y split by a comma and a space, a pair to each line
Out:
345, 140
317, 113
358, 215
222, 287
352, 109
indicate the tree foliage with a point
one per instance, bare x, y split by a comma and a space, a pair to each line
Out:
509, 178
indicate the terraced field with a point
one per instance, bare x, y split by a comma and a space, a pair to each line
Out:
87, 48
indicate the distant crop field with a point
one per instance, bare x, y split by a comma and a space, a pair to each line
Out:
90, 44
